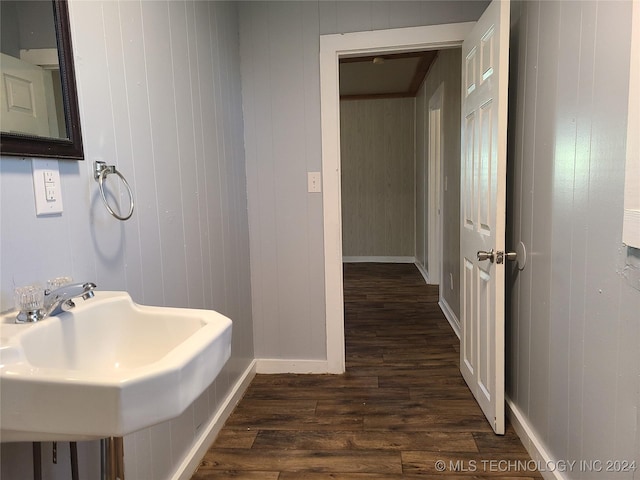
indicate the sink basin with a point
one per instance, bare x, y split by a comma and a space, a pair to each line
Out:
109, 367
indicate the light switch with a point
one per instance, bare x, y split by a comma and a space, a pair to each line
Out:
314, 183
46, 187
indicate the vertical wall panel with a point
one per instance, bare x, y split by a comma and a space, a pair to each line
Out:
260, 177
142, 148
109, 246
118, 98
182, 58
378, 177
422, 105
165, 157
450, 74
574, 362
562, 241
353, 16
160, 98
606, 187
530, 16
541, 228
281, 95
288, 88
197, 92
313, 156
445, 70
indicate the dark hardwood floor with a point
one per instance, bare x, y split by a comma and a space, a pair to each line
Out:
401, 407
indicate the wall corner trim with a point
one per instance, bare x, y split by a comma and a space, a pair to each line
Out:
210, 431
532, 443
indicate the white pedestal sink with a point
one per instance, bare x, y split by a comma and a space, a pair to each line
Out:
106, 368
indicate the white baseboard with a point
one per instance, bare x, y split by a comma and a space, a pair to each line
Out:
532, 443
210, 431
444, 306
276, 365
382, 259
423, 272
450, 315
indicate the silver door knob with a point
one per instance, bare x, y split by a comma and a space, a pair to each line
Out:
490, 255
502, 256
497, 256
511, 256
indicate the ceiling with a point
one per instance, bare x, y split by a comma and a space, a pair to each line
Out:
384, 76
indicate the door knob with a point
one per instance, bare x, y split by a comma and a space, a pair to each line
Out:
490, 255
497, 256
502, 256
511, 256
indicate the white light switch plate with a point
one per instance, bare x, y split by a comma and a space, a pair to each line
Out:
46, 187
314, 182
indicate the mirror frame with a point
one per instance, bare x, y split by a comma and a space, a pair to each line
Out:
61, 148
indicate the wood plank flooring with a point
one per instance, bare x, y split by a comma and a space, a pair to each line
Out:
401, 407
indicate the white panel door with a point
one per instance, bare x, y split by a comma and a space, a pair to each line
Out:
482, 202
23, 96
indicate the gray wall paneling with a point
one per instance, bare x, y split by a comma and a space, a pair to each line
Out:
422, 226
159, 87
378, 177
446, 69
573, 361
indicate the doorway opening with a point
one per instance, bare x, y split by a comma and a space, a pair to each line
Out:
377, 145
394, 137
332, 48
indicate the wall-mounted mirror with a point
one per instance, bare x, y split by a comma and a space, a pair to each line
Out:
39, 106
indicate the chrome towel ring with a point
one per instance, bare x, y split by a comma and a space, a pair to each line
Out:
100, 171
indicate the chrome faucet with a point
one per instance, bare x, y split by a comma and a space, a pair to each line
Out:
57, 301
61, 299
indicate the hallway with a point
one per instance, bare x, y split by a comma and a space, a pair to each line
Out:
401, 407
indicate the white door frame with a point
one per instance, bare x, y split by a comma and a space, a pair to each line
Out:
332, 47
434, 189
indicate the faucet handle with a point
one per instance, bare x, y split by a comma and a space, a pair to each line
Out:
30, 301
58, 282
29, 297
